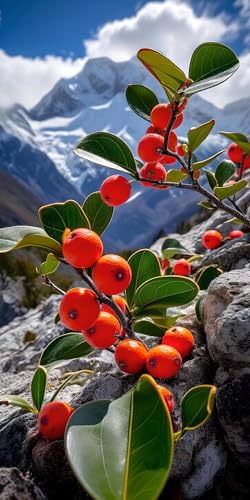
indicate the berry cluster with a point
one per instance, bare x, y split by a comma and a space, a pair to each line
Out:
237, 155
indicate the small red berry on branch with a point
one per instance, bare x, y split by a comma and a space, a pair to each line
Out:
82, 248
130, 356
53, 418
182, 267
115, 190
79, 309
211, 239
101, 334
163, 361
112, 274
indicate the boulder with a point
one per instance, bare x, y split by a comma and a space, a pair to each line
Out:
14, 486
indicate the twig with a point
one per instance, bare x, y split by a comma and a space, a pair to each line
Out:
48, 282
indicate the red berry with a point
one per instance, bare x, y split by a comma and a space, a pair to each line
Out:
112, 274
120, 301
82, 247
115, 190
211, 239
178, 120
150, 147
235, 234
102, 333
160, 115
79, 309
130, 356
235, 153
153, 130
182, 267
180, 150
153, 171
246, 163
163, 361
53, 418
167, 396
180, 338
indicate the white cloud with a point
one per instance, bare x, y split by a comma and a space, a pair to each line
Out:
171, 26
26, 80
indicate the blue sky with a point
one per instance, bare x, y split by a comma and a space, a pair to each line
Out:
44, 40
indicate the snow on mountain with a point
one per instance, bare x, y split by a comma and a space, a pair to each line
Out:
95, 100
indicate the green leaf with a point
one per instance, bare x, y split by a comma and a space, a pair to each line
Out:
165, 291
57, 319
14, 400
172, 247
98, 213
14, 237
38, 386
144, 265
175, 175
107, 149
198, 314
206, 275
129, 442
206, 204
58, 216
240, 139
211, 64
196, 135
211, 179
164, 70
141, 100
148, 327
200, 164
197, 406
49, 266
224, 171
63, 348
225, 192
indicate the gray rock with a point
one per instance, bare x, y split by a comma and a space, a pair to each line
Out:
226, 317
233, 406
11, 293
14, 486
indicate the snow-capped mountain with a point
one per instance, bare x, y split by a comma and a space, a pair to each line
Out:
36, 146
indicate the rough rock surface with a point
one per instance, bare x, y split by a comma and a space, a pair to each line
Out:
14, 486
11, 293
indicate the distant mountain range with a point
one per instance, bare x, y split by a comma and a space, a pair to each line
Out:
36, 146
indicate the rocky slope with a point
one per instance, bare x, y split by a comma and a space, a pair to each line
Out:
211, 462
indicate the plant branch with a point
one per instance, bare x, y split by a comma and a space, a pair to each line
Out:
48, 282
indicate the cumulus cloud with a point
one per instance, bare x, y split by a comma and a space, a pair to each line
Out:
26, 80
171, 26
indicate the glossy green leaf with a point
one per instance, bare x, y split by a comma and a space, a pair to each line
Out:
245, 146
98, 213
235, 136
224, 171
144, 265
56, 217
196, 135
172, 247
14, 400
107, 149
206, 204
211, 179
164, 70
197, 406
141, 100
206, 275
225, 192
148, 327
176, 175
63, 348
165, 291
38, 386
211, 64
14, 237
128, 441
200, 164
49, 266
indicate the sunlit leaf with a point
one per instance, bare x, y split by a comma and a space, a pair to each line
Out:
172, 247
225, 192
224, 171
99, 214
144, 265
49, 266
38, 386
14, 237
197, 406
141, 100
56, 217
63, 348
200, 164
165, 291
196, 135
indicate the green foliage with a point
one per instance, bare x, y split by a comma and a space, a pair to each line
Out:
165, 291
176, 176
164, 70
12, 238
172, 247
211, 179
56, 217
14, 400
50, 265
132, 454
144, 265
224, 171
240, 139
148, 327
197, 165
196, 135
211, 64
109, 150
207, 274
141, 100
63, 348
38, 386
197, 406
225, 192
97, 212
